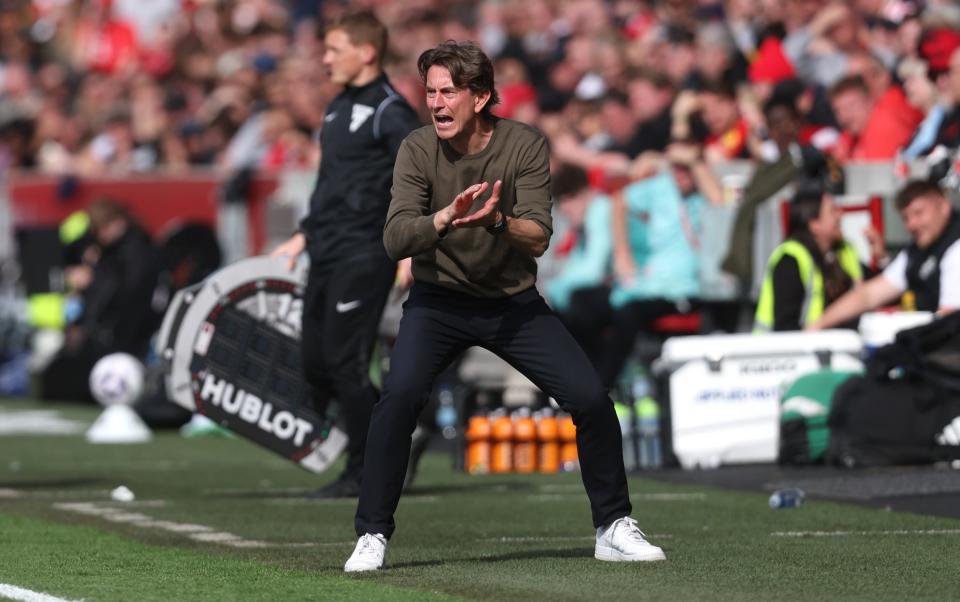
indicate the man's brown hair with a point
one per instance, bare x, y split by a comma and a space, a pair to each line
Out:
363, 27
104, 210
851, 83
915, 189
469, 68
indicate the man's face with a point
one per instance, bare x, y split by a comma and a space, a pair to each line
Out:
343, 60
646, 100
573, 207
452, 109
783, 125
925, 218
111, 231
719, 112
852, 109
921, 92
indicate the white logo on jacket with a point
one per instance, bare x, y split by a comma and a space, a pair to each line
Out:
360, 114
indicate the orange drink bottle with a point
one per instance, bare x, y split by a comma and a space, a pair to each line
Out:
569, 462
548, 458
478, 444
525, 442
501, 456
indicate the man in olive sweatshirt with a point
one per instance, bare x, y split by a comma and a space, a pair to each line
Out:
471, 206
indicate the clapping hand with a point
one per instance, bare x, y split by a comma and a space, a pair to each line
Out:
487, 215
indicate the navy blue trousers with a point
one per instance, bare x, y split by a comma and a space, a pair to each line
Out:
437, 326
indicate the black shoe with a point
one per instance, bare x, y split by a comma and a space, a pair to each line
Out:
343, 487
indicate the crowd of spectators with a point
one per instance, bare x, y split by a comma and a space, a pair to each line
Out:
94, 86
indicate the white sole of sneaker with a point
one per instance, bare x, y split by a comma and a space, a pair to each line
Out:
613, 555
363, 569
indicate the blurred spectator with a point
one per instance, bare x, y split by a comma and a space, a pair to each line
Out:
769, 67
678, 57
121, 304
810, 270
949, 132
820, 48
103, 42
871, 129
579, 289
922, 94
788, 163
656, 229
651, 95
716, 58
716, 107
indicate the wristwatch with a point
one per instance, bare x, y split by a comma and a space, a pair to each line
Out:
499, 226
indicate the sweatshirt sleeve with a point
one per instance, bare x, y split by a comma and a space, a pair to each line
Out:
409, 228
533, 186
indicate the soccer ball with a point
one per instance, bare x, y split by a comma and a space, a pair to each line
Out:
117, 379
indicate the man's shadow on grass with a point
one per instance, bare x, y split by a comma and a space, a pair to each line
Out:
414, 491
578, 552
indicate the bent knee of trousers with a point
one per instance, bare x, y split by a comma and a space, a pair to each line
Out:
586, 401
405, 392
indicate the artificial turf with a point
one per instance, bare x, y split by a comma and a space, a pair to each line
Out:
507, 537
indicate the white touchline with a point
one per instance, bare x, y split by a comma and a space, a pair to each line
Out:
855, 533
193, 531
27, 595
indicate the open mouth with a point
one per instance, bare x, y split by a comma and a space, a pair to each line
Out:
443, 120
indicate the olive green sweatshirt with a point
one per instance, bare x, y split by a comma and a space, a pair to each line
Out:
428, 175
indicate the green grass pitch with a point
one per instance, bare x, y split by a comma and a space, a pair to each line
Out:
221, 519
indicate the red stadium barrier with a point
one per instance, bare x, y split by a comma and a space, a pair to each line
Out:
158, 202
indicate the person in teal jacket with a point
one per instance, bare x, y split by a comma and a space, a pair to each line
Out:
657, 263
579, 290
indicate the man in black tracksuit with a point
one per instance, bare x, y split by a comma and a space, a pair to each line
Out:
350, 275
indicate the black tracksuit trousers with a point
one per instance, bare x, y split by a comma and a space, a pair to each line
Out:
438, 324
342, 306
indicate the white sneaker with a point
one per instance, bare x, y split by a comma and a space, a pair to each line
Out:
623, 541
368, 555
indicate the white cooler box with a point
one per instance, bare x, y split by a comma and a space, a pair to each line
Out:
724, 390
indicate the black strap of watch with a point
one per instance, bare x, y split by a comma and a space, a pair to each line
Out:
499, 226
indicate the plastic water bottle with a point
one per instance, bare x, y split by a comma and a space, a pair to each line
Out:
446, 413
624, 416
648, 426
639, 386
787, 498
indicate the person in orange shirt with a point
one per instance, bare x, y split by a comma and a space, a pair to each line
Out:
874, 126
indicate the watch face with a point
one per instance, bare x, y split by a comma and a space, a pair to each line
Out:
234, 356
